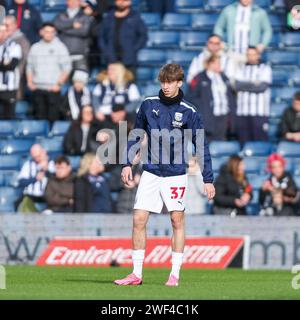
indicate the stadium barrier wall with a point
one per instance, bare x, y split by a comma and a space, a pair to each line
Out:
275, 241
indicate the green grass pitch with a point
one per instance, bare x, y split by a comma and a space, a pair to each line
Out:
31, 282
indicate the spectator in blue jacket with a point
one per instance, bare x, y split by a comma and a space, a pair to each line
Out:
29, 20
96, 196
211, 93
122, 34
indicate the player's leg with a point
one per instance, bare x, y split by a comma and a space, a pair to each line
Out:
178, 240
173, 191
148, 199
139, 236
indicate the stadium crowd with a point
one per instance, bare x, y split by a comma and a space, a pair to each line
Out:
81, 71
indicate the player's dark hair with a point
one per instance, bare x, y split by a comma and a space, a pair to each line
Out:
171, 72
297, 96
62, 159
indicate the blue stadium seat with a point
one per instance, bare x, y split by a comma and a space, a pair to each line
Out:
274, 42
273, 132
32, 128
144, 74
59, 128
257, 180
52, 145
163, 39
289, 149
266, 4
297, 181
296, 167
36, 3
204, 21
280, 77
188, 5
2, 178
8, 196
217, 163
150, 90
181, 57
252, 209
150, 57
7, 128
17, 146
277, 109
151, 19
290, 164
54, 5
277, 21
286, 93
193, 39
283, 58
75, 162
279, 5
257, 149
176, 21
10, 162
11, 178
224, 148
290, 39
48, 16
254, 165
295, 78
217, 5
22, 108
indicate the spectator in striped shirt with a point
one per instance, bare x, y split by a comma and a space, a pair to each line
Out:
10, 56
244, 24
33, 176
212, 94
252, 84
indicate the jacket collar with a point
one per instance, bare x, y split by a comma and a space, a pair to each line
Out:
169, 101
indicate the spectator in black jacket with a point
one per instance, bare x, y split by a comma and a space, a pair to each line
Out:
81, 136
92, 192
290, 122
59, 193
279, 194
28, 19
233, 191
74, 28
211, 93
122, 34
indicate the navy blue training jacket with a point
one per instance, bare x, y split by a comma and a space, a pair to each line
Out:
154, 114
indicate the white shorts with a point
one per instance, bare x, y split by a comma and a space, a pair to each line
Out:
154, 191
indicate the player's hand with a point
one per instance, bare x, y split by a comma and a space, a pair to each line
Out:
209, 190
126, 176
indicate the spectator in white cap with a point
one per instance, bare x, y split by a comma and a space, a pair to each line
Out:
78, 95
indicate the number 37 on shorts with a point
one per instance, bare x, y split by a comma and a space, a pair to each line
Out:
177, 192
